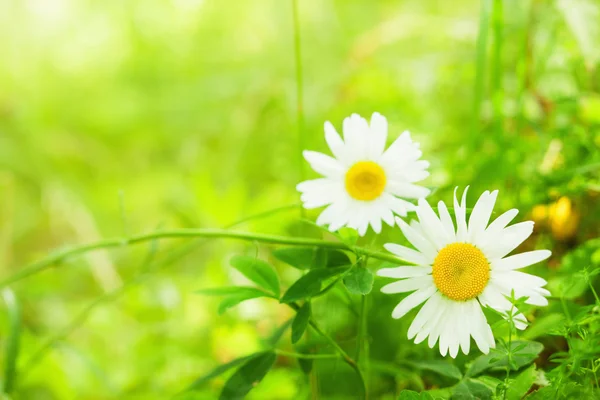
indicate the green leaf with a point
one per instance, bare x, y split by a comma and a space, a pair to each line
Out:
221, 369
359, 280
544, 325
337, 258
518, 387
234, 300
297, 257
311, 257
439, 367
306, 365
471, 390
300, 322
278, 333
234, 295
258, 272
310, 284
545, 393
11, 352
411, 395
496, 360
248, 376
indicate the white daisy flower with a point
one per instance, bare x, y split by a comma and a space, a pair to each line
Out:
459, 270
365, 183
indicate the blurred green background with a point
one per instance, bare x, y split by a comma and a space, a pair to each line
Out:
122, 117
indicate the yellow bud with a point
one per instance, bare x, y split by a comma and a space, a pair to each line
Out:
564, 219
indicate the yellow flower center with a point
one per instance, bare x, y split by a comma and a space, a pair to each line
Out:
365, 180
461, 271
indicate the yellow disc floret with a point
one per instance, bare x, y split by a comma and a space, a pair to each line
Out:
461, 271
365, 180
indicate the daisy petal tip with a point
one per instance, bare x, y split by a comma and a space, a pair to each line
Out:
400, 221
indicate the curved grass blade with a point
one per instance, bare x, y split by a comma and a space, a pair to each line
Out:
13, 340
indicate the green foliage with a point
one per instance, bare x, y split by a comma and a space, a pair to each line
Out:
235, 295
410, 395
311, 257
13, 342
359, 280
439, 367
300, 322
310, 284
521, 384
470, 389
221, 369
258, 272
248, 376
523, 353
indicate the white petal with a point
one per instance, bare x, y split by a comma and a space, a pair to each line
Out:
481, 331
432, 226
386, 214
521, 260
335, 143
320, 192
417, 240
439, 324
408, 285
464, 329
406, 254
356, 130
324, 164
495, 228
508, 240
481, 214
404, 272
491, 297
446, 221
406, 190
425, 314
460, 211
411, 301
379, 131
399, 206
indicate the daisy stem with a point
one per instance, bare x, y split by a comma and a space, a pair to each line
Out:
511, 326
148, 267
59, 256
352, 363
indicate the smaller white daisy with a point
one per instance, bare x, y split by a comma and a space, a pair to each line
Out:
461, 269
365, 183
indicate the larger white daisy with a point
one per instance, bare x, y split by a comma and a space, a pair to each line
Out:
364, 184
461, 269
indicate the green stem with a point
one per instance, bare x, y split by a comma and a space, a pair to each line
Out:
511, 326
307, 356
497, 95
53, 259
343, 354
482, 40
299, 95
337, 348
589, 281
362, 324
148, 267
